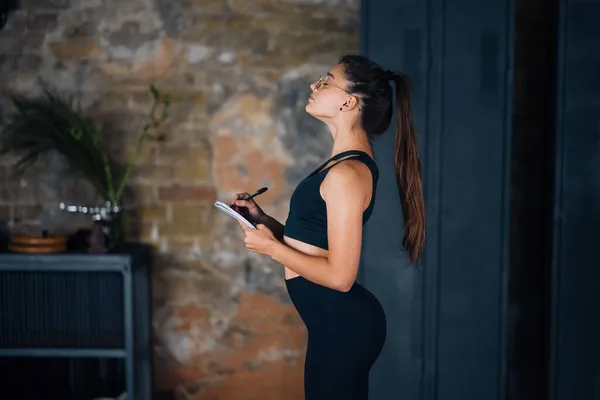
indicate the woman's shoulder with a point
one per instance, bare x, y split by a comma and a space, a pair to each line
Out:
348, 177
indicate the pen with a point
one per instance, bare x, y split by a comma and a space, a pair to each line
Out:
259, 191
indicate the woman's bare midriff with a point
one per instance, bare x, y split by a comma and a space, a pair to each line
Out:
303, 248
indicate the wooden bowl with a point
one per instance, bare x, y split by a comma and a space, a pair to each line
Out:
37, 243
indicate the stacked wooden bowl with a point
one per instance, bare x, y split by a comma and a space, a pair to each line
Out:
40, 243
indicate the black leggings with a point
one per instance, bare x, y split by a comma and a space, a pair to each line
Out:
346, 332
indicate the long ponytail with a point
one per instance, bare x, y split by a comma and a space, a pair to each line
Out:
408, 172
371, 83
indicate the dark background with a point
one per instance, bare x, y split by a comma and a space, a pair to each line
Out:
507, 110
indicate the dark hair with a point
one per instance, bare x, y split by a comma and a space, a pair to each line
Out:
371, 84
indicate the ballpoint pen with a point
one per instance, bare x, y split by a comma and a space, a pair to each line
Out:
259, 191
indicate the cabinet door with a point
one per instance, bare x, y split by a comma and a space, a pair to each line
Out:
446, 321
575, 343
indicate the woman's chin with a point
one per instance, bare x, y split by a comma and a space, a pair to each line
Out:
315, 112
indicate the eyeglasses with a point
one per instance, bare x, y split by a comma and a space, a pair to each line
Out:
323, 82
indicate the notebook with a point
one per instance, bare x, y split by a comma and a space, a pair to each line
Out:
231, 212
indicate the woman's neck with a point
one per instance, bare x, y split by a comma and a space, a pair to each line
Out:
348, 136
351, 142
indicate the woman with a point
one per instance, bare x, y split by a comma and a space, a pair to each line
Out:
320, 243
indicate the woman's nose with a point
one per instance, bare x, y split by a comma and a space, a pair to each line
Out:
312, 87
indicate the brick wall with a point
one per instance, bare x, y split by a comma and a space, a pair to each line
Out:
238, 72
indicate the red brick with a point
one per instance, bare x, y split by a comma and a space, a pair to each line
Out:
192, 317
181, 244
225, 147
72, 50
183, 193
276, 381
153, 212
185, 229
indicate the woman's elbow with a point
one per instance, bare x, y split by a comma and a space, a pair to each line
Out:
343, 284
342, 275
345, 288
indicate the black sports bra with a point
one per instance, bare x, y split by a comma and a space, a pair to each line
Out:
307, 218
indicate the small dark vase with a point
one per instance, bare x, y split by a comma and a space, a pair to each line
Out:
108, 231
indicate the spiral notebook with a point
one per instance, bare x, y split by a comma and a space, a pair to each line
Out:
232, 213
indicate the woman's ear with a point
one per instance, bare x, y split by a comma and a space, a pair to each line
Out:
351, 102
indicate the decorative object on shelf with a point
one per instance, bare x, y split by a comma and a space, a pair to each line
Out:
52, 123
100, 235
37, 243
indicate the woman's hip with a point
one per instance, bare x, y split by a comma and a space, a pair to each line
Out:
323, 308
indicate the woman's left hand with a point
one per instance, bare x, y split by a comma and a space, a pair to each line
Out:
260, 240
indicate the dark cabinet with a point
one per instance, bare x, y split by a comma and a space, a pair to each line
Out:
59, 310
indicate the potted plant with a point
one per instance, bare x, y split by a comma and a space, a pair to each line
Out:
52, 123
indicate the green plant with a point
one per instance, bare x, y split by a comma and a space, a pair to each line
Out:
52, 123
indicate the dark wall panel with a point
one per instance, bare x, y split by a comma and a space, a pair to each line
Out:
575, 349
446, 336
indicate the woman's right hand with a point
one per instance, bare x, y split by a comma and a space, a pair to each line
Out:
248, 208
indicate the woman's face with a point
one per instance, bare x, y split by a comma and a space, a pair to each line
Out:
328, 94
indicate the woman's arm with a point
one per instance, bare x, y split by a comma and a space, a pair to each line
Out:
275, 226
345, 196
